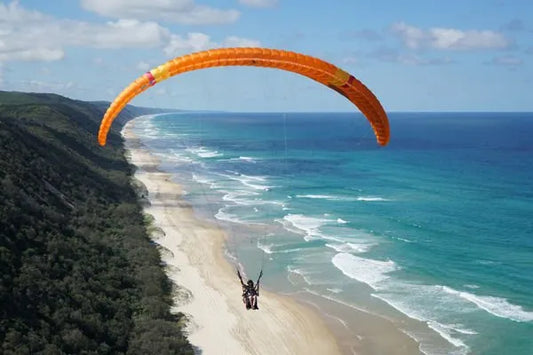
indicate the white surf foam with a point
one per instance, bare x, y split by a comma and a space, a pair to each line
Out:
369, 271
245, 159
351, 247
322, 197
499, 307
203, 152
446, 332
202, 179
371, 198
228, 217
307, 226
240, 197
411, 301
176, 156
403, 240
254, 182
277, 248
344, 198
435, 304
298, 272
267, 248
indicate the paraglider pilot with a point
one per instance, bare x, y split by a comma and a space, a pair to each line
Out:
250, 292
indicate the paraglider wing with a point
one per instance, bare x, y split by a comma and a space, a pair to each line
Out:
313, 68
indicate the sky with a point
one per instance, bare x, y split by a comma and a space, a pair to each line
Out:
415, 55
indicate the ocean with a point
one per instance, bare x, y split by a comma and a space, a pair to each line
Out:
433, 231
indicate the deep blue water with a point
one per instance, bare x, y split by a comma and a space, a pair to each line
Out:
437, 226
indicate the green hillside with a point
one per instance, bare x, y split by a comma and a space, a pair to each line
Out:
79, 274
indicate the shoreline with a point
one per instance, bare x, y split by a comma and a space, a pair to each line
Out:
207, 291
209, 294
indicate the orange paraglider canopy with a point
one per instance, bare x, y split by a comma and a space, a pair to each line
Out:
313, 68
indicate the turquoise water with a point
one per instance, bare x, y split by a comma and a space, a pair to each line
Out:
437, 226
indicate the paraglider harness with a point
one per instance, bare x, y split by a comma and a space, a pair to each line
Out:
250, 290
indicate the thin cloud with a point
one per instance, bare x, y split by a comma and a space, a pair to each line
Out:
350, 60
98, 61
44, 86
259, 3
142, 65
234, 41
385, 54
194, 42
10, 53
17, 29
507, 61
411, 59
514, 25
449, 38
178, 11
118, 34
32, 36
394, 56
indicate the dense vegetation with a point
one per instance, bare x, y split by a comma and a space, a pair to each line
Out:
78, 271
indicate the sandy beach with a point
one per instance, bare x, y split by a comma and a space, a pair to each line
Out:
208, 291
